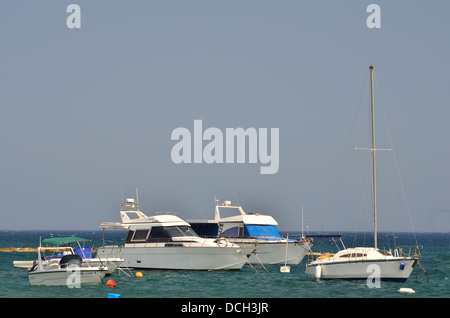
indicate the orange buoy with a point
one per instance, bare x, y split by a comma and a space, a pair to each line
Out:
111, 283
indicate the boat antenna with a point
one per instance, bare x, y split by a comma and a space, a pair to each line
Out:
302, 222
234, 194
137, 199
203, 214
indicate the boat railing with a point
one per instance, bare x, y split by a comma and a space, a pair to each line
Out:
407, 251
164, 213
313, 256
111, 251
240, 239
269, 238
198, 242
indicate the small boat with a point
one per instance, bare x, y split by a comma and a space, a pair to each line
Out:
286, 268
74, 245
65, 271
165, 241
253, 228
363, 262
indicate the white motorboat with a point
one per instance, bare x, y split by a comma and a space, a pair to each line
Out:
365, 262
165, 241
74, 245
65, 271
260, 229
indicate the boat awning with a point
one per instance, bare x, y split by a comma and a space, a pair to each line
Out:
63, 240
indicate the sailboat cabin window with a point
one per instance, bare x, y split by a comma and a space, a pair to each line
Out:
354, 255
384, 252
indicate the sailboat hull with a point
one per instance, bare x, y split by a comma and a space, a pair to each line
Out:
396, 269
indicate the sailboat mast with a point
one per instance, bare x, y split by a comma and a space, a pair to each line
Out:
374, 165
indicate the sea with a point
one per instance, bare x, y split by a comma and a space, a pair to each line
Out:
257, 284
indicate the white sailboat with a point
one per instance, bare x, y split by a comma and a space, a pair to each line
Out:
360, 262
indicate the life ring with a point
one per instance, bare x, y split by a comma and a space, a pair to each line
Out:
221, 242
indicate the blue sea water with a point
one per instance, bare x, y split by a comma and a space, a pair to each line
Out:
245, 283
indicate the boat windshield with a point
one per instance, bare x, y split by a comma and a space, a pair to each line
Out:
384, 252
176, 231
266, 232
159, 234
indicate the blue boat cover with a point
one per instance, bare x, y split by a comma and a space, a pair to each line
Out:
84, 252
268, 232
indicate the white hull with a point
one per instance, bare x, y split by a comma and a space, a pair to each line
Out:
274, 252
181, 258
110, 263
72, 277
339, 267
23, 264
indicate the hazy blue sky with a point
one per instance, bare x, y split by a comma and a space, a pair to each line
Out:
85, 113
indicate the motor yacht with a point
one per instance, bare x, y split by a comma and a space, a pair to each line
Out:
253, 228
165, 241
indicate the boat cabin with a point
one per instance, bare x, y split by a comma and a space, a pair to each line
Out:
238, 225
157, 234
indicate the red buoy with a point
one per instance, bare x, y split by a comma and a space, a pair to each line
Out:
111, 283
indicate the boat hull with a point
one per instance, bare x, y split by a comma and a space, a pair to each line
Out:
110, 263
274, 252
70, 277
396, 269
181, 258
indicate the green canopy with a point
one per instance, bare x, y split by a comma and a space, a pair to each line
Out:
55, 241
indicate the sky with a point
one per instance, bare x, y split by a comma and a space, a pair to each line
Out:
87, 114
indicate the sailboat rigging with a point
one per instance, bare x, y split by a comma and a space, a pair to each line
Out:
354, 263
374, 161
